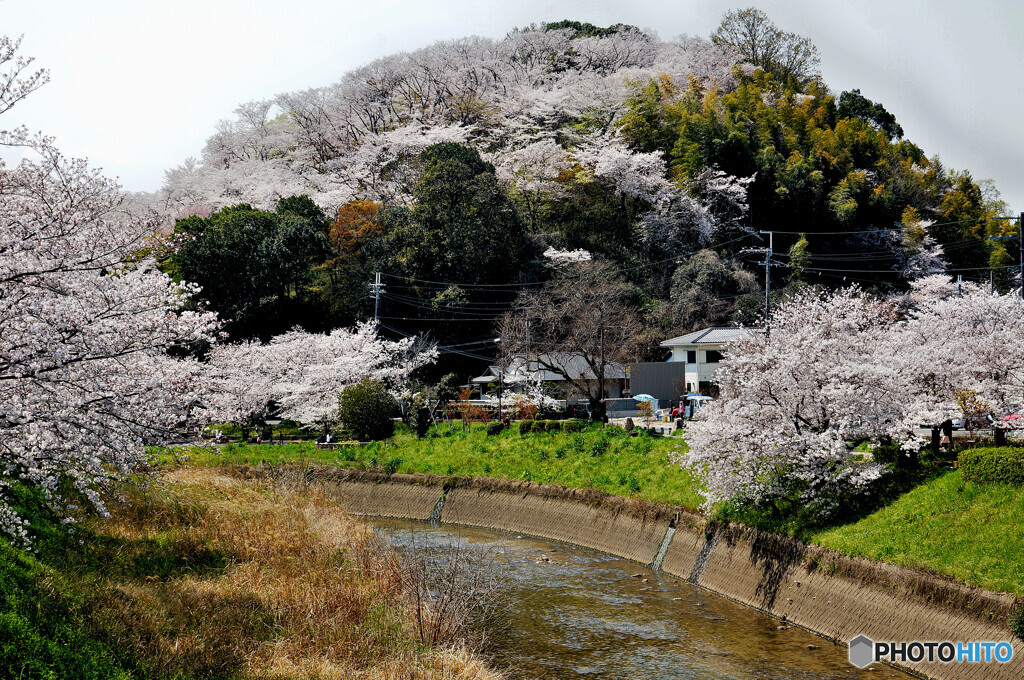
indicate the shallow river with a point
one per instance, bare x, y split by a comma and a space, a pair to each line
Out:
580, 614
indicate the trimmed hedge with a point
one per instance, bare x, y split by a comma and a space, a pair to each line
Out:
538, 426
573, 426
495, 428
993, 464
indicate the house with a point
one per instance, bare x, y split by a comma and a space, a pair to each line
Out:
690, 368
555, 371
701, 352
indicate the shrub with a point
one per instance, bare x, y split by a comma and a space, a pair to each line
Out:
523, 408
599, 446
526, 427
366, 409
494, 429
447, 388
886, 453
419, 420
573, 426
552, 425
579, 442
1016, 620
994, 464
614, 431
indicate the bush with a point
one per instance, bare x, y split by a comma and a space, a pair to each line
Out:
526, 427
614, 431
888, 454
994, 464
552, 425
599, 446
495, 428
419, 420
367, 409
1016, 620
573, 426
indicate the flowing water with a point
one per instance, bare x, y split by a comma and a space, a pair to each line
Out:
579, 614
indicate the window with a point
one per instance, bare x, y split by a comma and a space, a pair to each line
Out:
713, 356
691, 356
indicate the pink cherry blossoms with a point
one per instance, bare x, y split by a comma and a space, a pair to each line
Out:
85, 373
304, 372
836, 369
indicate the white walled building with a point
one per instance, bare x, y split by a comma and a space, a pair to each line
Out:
701, 352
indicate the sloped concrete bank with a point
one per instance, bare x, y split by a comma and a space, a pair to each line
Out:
834, 596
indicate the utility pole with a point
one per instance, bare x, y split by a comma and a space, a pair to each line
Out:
767, 272
500, 390
768, 277
600, 378
378, 288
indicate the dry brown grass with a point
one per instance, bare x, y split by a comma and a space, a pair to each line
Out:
262, 583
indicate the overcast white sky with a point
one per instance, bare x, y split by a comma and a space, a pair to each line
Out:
138, 86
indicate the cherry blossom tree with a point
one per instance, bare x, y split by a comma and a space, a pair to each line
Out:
304, 372
957, 338
241, 384
835, 369
351, 140
16, 80
87, 372
792, 402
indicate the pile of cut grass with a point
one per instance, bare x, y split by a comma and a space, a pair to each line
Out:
605, 459
208, 577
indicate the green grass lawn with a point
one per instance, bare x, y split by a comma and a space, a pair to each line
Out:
971, 532
609, 461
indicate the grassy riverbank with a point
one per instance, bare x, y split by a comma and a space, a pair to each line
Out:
604, 459
205, 577
967, 531
971, 532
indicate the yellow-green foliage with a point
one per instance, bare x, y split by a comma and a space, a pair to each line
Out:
968, 531
1003, 464
599, 458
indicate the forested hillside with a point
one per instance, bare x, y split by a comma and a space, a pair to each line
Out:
453, 169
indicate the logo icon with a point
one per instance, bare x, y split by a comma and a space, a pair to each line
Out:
862, 651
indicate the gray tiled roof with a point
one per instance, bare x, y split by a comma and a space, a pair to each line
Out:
539, 368
719, 335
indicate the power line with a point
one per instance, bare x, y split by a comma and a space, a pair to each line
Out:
446, 349
923, 223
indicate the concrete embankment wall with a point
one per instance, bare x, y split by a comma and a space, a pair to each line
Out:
834, 596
